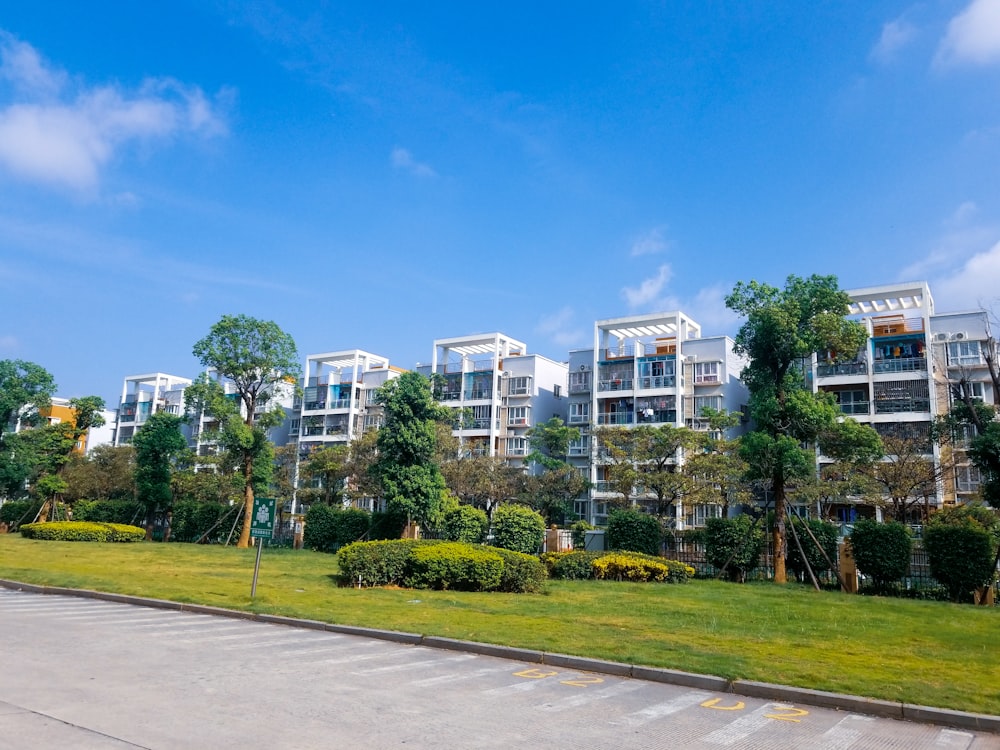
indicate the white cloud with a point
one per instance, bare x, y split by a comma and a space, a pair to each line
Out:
402, 159
62, 134
895, 36
973, 36
961, 237
650, 243
559, 328
649, 290
975, 282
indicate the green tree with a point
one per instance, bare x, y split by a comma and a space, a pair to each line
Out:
734, 543
25, 388
518, 528
634, 531
409, 475
553, 491
156, 445
106, 473
881, 550
465, 524
961, 544
330, 467
550, 442
86, 415
259, 359
783, 329
482, 481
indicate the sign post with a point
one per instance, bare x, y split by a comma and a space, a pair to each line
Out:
261, 527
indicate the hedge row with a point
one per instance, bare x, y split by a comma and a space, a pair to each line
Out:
439, 565
83, 531
329, 528
617, 566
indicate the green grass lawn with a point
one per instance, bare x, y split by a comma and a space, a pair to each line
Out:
928, 653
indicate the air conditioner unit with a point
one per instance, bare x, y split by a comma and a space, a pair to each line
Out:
941, 336
960, 336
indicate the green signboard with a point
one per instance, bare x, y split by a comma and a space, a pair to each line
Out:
264, 516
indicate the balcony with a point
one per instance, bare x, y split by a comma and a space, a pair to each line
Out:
657, 416
902, 364
902, 405
579, 419
832, 369
340, 403
518, 451
311, 431
579, 387
657, 381
855, 407
482, 423
579, 450
451, 396
314, 405
517, 421
615, 385
616, 418
480, 394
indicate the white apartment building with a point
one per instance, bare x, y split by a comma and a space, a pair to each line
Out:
899, 381
651, 369
338, 398
501, 389
143, 396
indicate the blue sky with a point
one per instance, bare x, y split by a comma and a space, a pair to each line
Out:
378, 175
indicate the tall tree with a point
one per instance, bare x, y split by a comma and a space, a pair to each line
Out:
25, 388
550, 442
329, 465
258, 358
410, 477
86, 415
106, 473
156, 445
783, 329
482, 481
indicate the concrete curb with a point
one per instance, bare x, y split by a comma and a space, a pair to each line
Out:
785, 693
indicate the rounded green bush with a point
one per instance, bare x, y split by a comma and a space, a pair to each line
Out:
465, 524
961, 545
518, 528
83, 531
634, 531
522, 574
881, 550
381, 563
737, 540
453, 565
574, 566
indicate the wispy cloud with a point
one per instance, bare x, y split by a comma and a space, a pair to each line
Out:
973, 36
559, 327
975, 282
651, 243
894, 37
57, 131
649, 289
403, 159
960, 238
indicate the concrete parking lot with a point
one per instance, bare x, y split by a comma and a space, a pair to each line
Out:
84, 673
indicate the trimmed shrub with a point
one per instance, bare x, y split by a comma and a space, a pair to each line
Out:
82, 531
578, 531
881, 551
191, 519
14, 512
961, 545
521, 574
736, 540
518, 528
826, 534
109, 511
386, 525
381, 563
624, 567
633, 531
329, 528
465, 524
573, 566
453, 565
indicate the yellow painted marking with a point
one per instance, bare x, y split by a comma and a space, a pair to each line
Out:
534, 674
787, 713
714, 703
582, 681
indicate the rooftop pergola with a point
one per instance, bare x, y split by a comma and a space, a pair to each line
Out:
645, 328
892, 299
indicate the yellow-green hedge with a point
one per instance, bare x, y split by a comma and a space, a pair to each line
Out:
83, 531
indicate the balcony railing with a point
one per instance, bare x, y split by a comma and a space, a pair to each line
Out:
580, 387
478, 394
518, 451
451, 396
579, 419
658, 381
481, 424
657, 416
615, 385
896, 405
616, 418
827, 370
314, 405
579, 450
902, 364
855, 407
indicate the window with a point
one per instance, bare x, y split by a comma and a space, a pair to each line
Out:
580, 446
964, 353
853, 402
517, 446
293, 425
579, 381
517, 415
706, 372
976, 389
706, 402
557, 391
967, 479
579, 412
481, 416
519, 386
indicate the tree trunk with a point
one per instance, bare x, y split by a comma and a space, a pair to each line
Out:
778, 533
247, 501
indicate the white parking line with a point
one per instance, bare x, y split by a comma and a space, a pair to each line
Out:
460, 676
591, 696
402, 667
952, 738
843, 734
743, 727
661, 710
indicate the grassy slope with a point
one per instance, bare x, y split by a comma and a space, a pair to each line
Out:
921, 652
